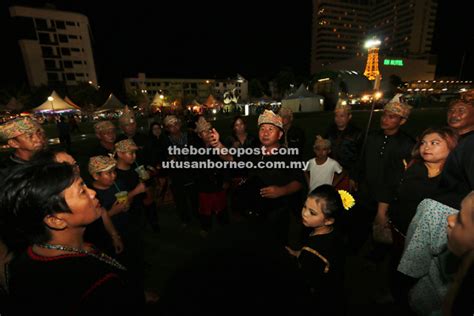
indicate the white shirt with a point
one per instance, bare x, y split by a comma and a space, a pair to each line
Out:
322, 174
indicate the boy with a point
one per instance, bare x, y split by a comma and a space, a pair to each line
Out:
321, 169
102, 170
128, 180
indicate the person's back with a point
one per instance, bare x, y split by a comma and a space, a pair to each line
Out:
326, 284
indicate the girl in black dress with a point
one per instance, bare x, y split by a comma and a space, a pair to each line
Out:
321, 259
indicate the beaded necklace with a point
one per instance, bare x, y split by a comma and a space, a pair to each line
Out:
101, 256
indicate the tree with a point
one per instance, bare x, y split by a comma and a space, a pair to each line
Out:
283, 81
22, 94
85, 94
256, 89
395, 85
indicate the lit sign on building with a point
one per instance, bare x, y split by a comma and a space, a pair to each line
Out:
393, 62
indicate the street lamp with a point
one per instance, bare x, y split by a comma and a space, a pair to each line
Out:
51, 99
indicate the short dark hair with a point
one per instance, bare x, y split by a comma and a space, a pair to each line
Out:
46, 155
461, 100
30, 193
330, 201
150, 131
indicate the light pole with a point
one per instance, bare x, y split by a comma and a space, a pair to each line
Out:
51, 99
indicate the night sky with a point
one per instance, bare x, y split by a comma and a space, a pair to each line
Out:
209, 39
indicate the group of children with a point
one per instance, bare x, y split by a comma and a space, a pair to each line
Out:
121, 192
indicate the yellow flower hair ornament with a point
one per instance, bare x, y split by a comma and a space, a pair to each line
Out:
348, 200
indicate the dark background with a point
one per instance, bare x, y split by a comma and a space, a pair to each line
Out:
207, 39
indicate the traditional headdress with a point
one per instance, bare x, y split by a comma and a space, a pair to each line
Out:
126, 145
103, 126
398, 107
321, 142
17, 127
101, 163
170, 120
342, 105
202, 125
127, 117
268, 117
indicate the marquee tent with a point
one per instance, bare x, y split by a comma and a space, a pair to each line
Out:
303, 101
56, 105
111, 104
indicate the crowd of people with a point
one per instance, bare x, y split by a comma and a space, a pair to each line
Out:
406, 201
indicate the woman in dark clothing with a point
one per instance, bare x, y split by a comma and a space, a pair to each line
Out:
239, 139
46, 207
154, 153
421, 178
419, 181
155, 144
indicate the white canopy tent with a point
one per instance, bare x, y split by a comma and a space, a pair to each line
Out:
111, 104
303, 101
57, 104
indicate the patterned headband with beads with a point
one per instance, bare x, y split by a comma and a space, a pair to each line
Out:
348, 200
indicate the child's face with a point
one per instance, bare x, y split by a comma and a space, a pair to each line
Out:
127, 157
106, 178
313, 215
321, 152
461, 228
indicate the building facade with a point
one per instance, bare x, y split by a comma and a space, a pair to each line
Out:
340, 28
187, 89
55, 45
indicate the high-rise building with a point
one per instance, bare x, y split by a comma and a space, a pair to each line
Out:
404, 27
55, 46
340, 27
338, 31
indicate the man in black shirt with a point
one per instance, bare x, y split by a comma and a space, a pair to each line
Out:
293, 136
106, 135
457, 177
182, 181
128, 125
270, 192
346, 142
381, 166
26, 137
460, 114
